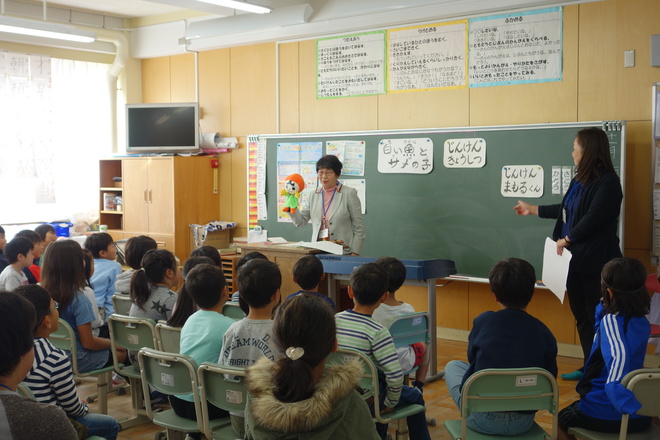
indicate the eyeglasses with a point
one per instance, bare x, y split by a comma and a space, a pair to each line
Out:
56, 306
325, 172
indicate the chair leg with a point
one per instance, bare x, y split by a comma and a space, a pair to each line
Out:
402, 429
102, 389
175, 435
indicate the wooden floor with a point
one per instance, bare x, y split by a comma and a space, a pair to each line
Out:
438, 403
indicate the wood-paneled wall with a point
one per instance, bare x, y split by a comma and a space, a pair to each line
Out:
268, 88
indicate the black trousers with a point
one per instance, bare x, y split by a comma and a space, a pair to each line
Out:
584, 294
186, 409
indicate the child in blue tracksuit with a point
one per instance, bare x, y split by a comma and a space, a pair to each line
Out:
619, 347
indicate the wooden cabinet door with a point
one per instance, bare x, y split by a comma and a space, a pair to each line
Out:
161, 196
135, 194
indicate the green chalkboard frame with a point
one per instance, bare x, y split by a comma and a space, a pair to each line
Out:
454, 214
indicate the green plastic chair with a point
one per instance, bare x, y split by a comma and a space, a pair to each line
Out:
507, 389
169, 338
121, 303
173, 374
132, 334
226, 388
645, 384
233, 311
65, 339
370, 385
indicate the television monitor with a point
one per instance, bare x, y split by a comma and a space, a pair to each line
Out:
162, 128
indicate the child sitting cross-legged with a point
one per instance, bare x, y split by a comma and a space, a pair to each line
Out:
51, 376
308, 274
251, 338
298, 396
201, 335
508, 338
357, 330
410, 356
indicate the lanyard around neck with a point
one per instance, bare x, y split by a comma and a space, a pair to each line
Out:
325, 210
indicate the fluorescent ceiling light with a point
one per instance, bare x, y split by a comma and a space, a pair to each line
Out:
44, 29
243, 6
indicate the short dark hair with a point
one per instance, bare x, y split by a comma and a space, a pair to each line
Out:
369, 283
30, 235
329, 162
185, 305
17, 246
97, 242
308, 271
205, 283
207, 251
626, 278
248, 257
2, 230
135, 249
258, 280
396, 272
40, 299
44, 229
512, 281
17, 319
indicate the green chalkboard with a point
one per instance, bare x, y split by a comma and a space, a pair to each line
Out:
457, 214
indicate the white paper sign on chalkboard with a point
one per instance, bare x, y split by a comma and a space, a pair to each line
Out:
522, 181
405, 156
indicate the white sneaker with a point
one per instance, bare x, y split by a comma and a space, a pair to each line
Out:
117, 379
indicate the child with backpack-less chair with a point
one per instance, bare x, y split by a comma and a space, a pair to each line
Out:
51, 376
33, 273
308, 274
134, 250
251, 338
299, 396
185, 306
201, 335
415, 355
19, 254
508, 338
357, 330
619, 347
106, 269
151, 286
63, 276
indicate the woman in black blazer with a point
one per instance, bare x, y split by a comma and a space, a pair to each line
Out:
586, 224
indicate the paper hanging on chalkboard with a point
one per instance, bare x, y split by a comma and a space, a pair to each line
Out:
465, 153
405, 156
522, 181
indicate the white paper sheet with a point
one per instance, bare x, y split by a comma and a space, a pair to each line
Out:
555, 268
327, 246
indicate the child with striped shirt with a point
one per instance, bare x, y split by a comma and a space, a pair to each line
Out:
357, 330
51, 376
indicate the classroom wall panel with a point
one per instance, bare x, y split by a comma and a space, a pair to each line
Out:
289, 92
437, 108
156, 80
638, 187
341, 114
182, 78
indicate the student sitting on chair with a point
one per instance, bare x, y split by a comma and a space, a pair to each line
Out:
415, 355
106, 269
33, 273
22, 418
619, 347
251, 338
357, 330
299, 396
51, 376
99, 327
19, 254
201, 336
508, 338
134, 251
185, 306
236, 297
308, 274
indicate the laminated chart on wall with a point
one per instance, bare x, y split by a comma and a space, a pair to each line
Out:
352, 155
517, 48
427, 57
296, 158
257, 208
351, 65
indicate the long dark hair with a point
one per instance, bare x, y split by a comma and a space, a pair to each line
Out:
154, 266
303, 322
626, 278
62, 271
596, 158
185, 305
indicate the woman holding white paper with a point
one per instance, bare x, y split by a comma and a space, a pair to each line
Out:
586, 224
335, 209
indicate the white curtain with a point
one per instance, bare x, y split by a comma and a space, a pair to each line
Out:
54, 126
